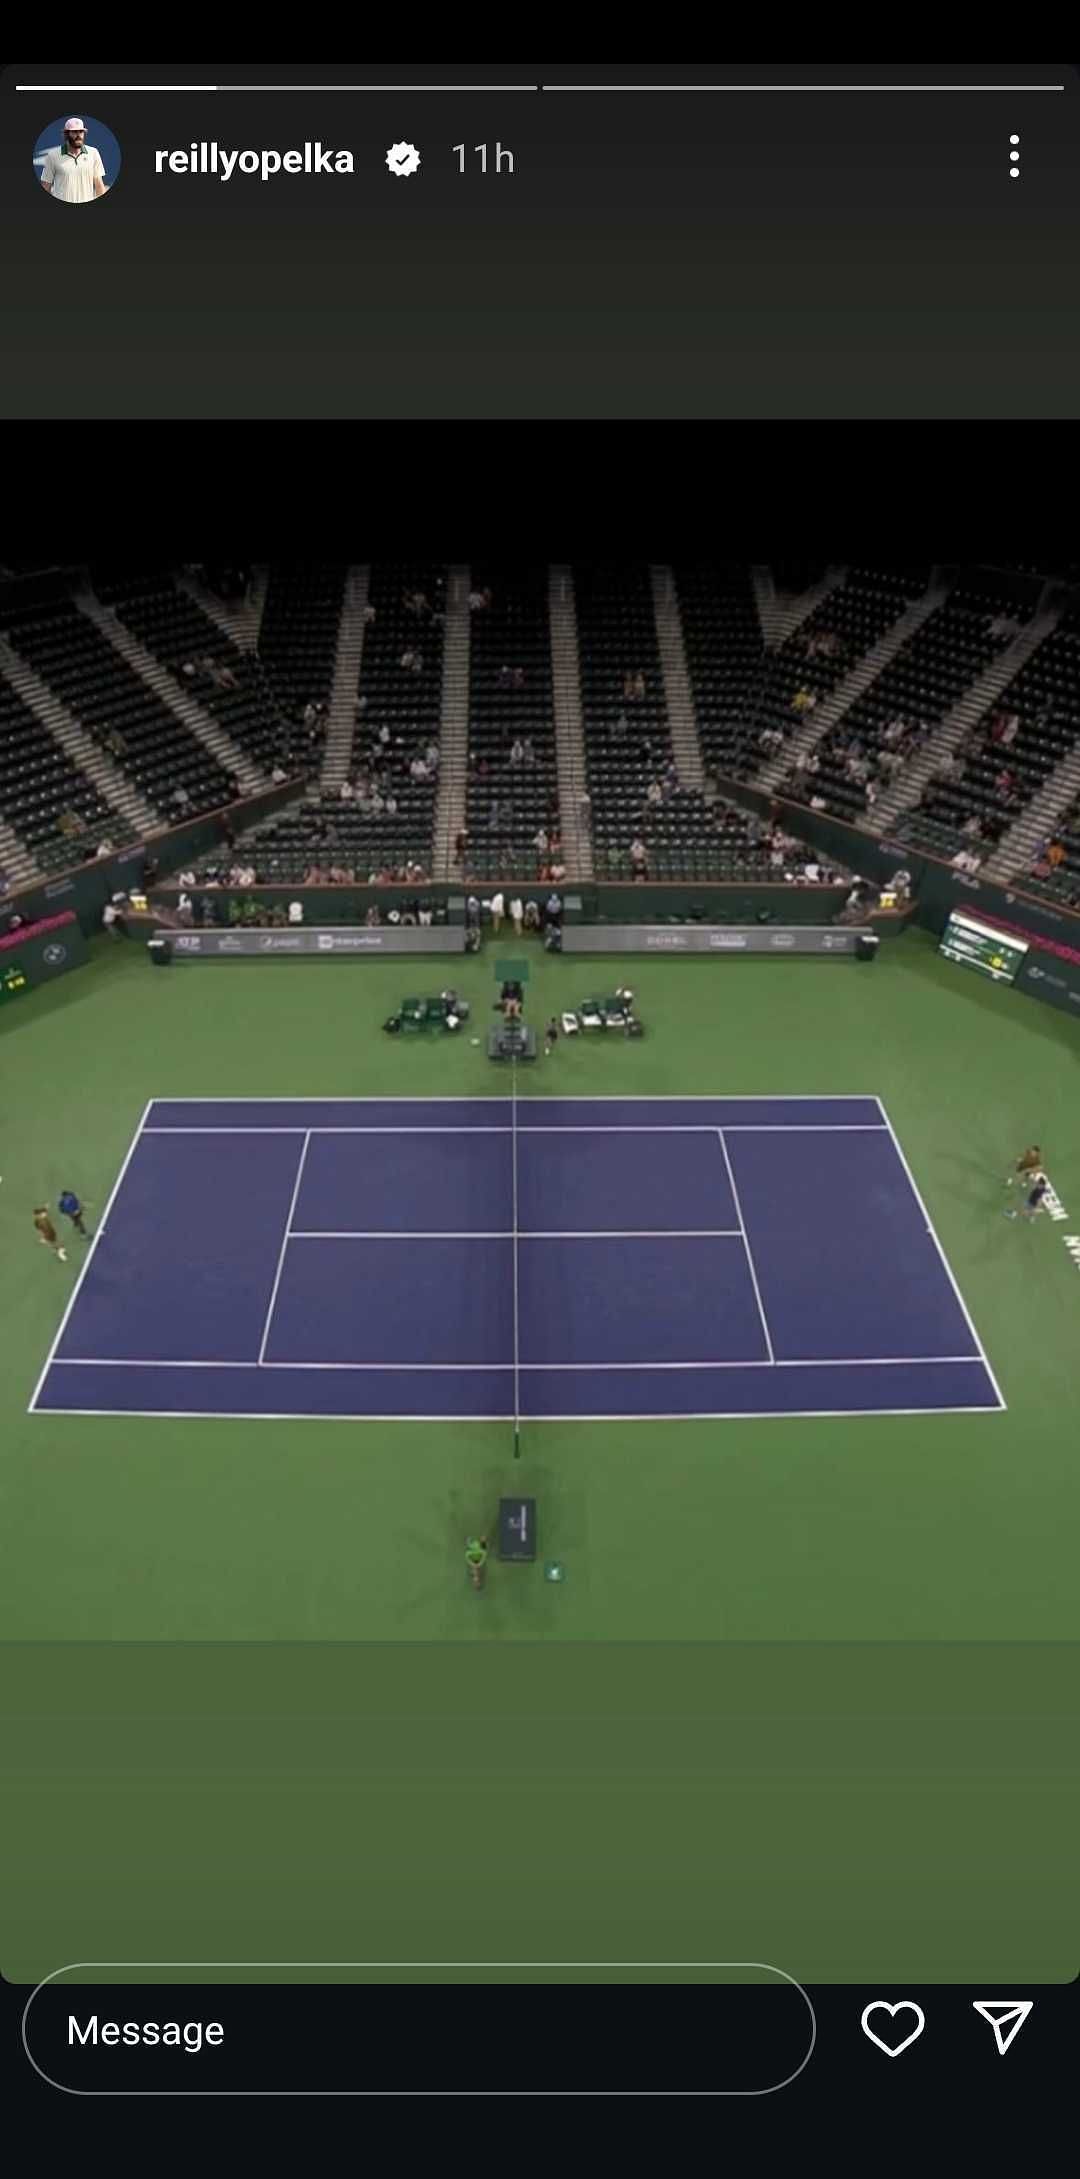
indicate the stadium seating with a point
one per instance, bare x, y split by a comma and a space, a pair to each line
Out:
508, 804
725, 657
232, 685
1007, 756
905, 702
404, 705
299, 628
39, 785
107, 697
819, 653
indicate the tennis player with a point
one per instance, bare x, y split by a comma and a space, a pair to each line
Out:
1034, 1202
72, 1208
1027, 1166
476, 1552
47, 1233
551, 1036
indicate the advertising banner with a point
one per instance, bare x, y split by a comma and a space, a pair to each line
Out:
275, 945
709, 938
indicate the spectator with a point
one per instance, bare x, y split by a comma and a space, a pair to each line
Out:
965, 859
103, 848
369, 615
296, 911
517, 752
347, 792
180, 798
1055, 854
639, 857
540, 841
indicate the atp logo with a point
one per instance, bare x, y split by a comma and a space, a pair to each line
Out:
53, 955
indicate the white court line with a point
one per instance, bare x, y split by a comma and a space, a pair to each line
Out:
712, 1414
577, 1233
668, 1097
746, 1244
298, 1129
284, 1246
88, 1258
837, 1361
945, 1261
697, 1127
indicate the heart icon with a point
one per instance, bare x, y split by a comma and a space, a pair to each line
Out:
892, 2049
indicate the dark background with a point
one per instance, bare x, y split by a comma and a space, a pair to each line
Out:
688, 255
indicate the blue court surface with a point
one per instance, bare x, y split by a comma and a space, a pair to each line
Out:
606, 1257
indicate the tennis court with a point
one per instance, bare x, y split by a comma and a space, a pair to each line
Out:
484, 1259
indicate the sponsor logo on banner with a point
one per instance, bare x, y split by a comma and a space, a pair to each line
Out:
781, 938
325, 941
664, 938
59, 885
1034, 975
226, 944
833, 942
53, 955
192, 944
728, 941
292, 944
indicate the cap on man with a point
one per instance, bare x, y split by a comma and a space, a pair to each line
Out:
73, 171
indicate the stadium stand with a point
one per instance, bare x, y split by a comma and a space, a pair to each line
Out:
232, 685
381, 822
512, 798
808, 665
51, 805
725, 655
146, 740
298, 633
896, 715
684, 676
991, 777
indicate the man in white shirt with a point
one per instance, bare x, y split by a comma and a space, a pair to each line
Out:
73, 171
498, 910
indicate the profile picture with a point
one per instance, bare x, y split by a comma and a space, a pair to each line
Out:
76, 159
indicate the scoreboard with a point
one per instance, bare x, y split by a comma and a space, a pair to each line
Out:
997, 954
12, 981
